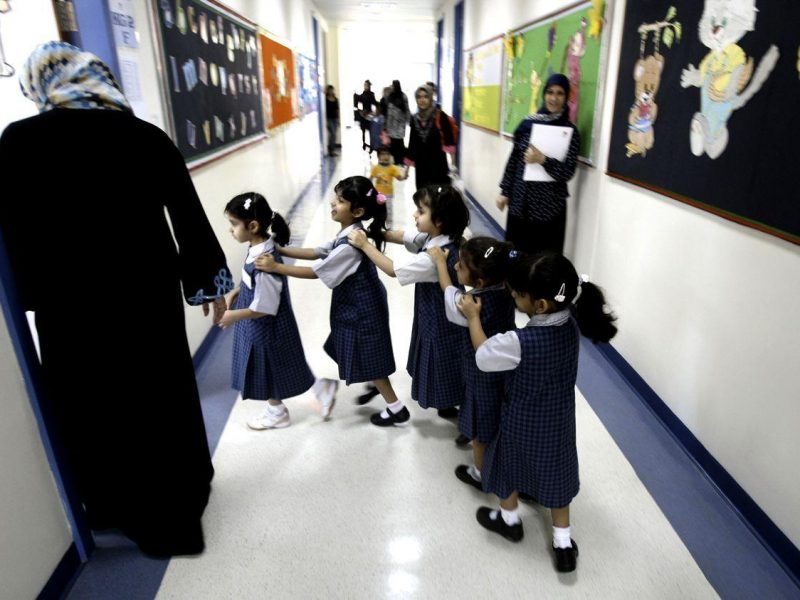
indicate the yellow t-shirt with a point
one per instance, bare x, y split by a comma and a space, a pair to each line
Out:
383, 177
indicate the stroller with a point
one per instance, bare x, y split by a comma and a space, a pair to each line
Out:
377, 136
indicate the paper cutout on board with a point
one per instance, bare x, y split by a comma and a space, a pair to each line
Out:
725, 76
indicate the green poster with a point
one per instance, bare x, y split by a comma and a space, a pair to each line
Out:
483, 73
567, 43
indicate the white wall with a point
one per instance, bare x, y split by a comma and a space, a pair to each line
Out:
278, 167
707, 308
34, 532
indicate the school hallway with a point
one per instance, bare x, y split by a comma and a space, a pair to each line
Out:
344, 509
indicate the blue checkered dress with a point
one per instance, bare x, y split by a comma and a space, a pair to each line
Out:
434, 357
268, 358
534, 451
479, 418
360, 341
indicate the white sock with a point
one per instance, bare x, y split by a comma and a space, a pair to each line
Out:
395, 407
276, 409
511, 517
561, 537
473, 472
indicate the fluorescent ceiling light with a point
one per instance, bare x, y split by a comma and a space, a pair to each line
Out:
378, 5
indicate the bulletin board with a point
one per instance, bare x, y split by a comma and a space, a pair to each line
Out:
705, 107
280, 85
483, 84
308, 84
568, 42
209, 58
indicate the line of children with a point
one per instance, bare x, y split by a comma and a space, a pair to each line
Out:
360, 342
516, 386
534, 450
434, 358
268, 359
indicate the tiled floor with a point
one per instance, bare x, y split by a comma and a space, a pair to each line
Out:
343, 509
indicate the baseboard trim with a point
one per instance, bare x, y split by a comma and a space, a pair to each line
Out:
757, 521
63, 577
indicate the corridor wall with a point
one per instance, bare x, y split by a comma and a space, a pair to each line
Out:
707, 308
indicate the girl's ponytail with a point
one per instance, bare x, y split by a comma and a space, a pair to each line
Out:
377, 228
593, 321
280, 229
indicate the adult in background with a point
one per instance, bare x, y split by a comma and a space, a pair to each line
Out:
364, 102
430, 141
331, 118
537, 210
117, 371
398, 115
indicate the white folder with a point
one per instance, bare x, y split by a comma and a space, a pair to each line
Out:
552, 141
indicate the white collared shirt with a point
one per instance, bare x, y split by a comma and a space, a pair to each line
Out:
503, 352
337, 264
267, 296
419, 268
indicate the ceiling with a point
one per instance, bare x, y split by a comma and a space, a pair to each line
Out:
381, 10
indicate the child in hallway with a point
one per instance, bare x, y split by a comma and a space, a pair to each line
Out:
482, 265
535, 451
360, 341
268, 359
434, 357
384, 173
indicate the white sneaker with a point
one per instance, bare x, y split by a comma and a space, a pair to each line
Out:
325, 391
270, 421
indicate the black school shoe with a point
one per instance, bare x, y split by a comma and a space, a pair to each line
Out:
371, 392
462, 472
397, 419
448, 413
512, 533
566, 558
462, 441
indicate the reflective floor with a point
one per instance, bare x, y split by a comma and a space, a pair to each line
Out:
344, 509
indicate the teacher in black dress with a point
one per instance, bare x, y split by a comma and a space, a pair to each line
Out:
94, 257
537, 210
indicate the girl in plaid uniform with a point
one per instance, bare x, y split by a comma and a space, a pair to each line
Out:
268, 358
434, 358
483, 265
534, 451
360, 341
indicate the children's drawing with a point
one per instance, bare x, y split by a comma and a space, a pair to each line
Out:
725, 76
647, 75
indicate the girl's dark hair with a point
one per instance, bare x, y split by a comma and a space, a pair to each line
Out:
360, 193
447, 206
257, 209
486, 258
542, 276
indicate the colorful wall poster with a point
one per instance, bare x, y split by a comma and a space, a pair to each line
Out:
308, 85
280, 85
482, 90
702, 109
569, 42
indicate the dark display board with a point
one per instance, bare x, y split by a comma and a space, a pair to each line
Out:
706, 107
210, 59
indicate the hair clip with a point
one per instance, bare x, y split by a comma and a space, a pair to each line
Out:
560, 297
439, 190
488, 252
582, 278
513, 254
369, 193
247, 203
380, 198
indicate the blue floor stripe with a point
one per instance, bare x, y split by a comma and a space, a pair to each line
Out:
730, 556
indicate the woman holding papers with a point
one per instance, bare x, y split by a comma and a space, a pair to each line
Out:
534, 185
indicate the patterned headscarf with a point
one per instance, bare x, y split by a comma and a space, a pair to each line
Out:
60, 75
544, 115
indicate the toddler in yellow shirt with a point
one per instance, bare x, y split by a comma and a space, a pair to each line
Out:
384, 173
